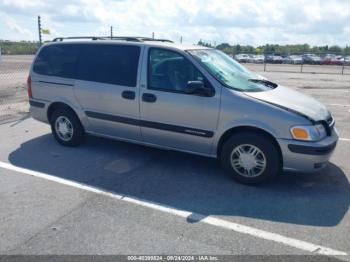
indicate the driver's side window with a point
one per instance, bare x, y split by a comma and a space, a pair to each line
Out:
170, 71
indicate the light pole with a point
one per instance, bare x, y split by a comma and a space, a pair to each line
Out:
39, 28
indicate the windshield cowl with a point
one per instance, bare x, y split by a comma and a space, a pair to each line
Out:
264, 82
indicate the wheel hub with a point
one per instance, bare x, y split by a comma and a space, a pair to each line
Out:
248, 160
64, 128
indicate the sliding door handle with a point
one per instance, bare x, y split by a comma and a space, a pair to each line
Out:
128, 95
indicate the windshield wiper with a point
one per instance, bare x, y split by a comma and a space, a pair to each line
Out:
264, 82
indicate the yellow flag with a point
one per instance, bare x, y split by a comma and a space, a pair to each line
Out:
45, 31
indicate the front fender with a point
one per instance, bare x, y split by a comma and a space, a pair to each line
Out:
241, 123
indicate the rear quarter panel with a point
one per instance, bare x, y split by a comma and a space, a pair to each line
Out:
49, 89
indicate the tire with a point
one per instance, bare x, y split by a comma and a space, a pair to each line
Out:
268, 153
72, 138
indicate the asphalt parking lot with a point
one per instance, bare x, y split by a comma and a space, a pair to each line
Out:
110, 197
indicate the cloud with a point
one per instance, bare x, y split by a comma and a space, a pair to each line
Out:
240, 21
12, 24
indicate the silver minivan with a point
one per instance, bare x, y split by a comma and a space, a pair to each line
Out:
178, 97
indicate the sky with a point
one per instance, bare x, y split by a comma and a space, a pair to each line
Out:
253, 22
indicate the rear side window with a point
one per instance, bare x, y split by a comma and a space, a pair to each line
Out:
57, 60
112, 64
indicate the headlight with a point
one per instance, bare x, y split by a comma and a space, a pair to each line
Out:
309, 133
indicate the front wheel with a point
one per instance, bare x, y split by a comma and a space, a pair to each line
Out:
251, 158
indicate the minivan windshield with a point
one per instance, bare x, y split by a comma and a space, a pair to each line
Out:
229, 72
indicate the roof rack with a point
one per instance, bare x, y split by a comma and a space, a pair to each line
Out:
76, 37
156, 39
125, 38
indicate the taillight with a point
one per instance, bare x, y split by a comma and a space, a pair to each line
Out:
29, 87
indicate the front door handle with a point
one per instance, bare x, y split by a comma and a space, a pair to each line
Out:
150, 98
128, 94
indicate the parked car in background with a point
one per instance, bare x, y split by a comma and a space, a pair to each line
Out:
331, 59
242, 58
274, 59
347, 60
293, 59
258, 59
250, 59
311, 59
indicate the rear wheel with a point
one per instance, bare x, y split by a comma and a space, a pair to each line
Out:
251, 157
66, 127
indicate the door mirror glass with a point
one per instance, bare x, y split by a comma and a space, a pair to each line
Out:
197, 88
194, 86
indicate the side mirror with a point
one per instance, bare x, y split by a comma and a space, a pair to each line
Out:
198, 88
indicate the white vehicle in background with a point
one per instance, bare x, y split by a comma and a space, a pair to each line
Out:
242, 58
293, 59
258, 59
347, 60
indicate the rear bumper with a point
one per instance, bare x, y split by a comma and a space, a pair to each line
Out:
307, 157
38, 109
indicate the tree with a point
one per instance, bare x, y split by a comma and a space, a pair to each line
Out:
204, 43
347, 50
18, 48
223, 46
335, 49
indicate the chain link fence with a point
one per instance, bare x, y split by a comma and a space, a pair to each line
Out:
14, 71
319, 63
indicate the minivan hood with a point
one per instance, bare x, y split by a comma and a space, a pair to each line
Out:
290, 99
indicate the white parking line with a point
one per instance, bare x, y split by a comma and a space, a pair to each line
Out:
262, 234
344, 139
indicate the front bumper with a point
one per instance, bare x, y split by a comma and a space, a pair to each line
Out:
300, 156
